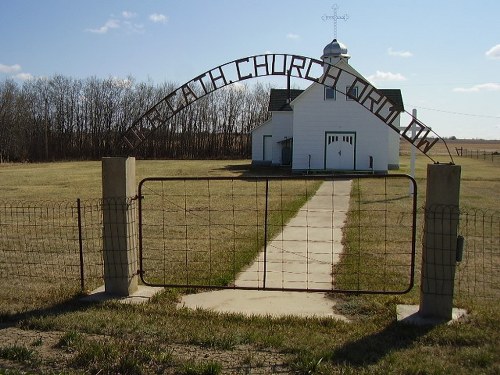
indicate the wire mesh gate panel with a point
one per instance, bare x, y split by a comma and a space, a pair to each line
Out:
478, 269
302, 233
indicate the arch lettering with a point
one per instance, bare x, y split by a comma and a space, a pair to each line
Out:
295, 66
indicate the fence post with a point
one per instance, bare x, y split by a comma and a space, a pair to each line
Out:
439, 246
119, 240
440, 241
80, 245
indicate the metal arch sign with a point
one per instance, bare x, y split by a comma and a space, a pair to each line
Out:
278, 65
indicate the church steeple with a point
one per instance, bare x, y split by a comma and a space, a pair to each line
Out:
335, 51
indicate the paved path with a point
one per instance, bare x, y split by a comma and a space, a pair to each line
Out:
302, 256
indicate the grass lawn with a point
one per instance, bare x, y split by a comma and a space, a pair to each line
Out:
72, 337
71, 180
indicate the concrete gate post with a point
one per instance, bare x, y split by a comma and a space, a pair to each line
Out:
440, 241
119, 237
439, 250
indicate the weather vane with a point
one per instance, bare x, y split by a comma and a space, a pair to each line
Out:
335, 18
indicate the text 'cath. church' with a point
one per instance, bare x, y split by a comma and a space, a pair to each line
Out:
323, 129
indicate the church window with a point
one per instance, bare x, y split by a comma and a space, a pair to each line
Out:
354, 92
330, 93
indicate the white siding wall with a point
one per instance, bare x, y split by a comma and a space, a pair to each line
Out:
313, 116
258, 140
282, 129
394, 140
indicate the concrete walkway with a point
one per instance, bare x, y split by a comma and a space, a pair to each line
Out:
302, 256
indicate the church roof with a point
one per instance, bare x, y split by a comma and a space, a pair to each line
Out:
278, 100
394, 95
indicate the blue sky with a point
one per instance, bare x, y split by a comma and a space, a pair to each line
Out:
444, 55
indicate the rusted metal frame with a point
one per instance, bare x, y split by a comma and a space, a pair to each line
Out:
80, 244
265, 234
272, 178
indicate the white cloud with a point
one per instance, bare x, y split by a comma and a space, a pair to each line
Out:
13, 69
133, 27
292, 36
158, 18
386, 76
127, 14
110, 24
391, 52
490, 86
494, 52
23, 76
10, 68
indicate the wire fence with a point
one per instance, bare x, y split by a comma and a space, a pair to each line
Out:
194, 233
478, 271
462, 257
48, 249
493, 156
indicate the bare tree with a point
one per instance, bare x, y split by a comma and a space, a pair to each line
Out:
64, 118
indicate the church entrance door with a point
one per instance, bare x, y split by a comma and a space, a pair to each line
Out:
340, 151
268, 148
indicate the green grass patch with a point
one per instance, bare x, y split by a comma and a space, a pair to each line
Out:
201, 368
114, 356
17, 353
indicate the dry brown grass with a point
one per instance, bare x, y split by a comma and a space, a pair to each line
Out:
147, 338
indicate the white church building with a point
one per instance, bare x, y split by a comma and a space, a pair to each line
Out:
322, 129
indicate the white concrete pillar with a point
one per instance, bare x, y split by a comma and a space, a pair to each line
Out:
440, 241
119, 237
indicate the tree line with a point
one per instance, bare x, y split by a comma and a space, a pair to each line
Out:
62, 118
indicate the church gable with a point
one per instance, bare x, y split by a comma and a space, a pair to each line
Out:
323, 129
279, 99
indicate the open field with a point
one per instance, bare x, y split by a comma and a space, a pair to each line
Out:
470, 144
72, 337
71, 180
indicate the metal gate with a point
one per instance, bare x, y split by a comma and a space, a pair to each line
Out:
348, 233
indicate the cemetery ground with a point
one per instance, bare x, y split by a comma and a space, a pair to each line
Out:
53, 332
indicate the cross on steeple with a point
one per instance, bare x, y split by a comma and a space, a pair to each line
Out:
335, 18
